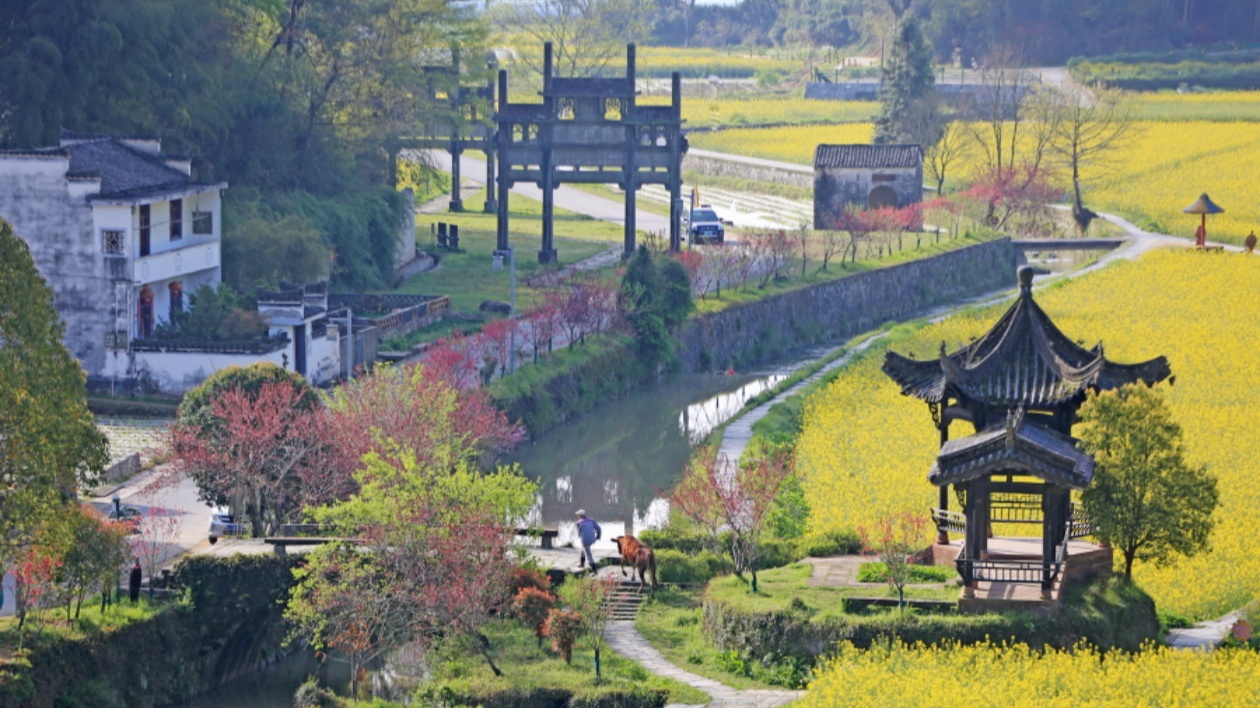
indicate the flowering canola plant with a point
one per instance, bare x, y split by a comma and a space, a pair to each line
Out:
1162, 168
865, 449
985, 675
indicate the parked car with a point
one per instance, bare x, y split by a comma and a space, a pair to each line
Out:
704, 226
223, 523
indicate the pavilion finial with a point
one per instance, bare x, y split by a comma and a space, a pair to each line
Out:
1025, 276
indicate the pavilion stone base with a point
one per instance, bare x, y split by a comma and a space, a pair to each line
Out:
1080, 566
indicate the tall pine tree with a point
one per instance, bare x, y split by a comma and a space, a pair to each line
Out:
909, 106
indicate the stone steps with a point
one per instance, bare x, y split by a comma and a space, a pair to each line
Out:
624, 601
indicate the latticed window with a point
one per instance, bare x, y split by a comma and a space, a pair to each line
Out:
114, 242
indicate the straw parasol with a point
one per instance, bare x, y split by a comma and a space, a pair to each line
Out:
1203, 206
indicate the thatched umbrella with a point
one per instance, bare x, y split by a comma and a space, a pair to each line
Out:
1203, 206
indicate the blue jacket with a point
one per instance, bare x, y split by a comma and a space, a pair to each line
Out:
588, 530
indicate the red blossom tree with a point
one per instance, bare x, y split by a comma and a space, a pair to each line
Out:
34, 576
154, 540
499, 336
717, 495
1007, 193
454, 360
858, 224
254, 453
406, 410
541, 325
532, 605
894, 539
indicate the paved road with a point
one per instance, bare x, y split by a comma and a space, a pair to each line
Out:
602, 208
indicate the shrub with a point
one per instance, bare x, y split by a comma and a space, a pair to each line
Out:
666, 539
528, 578
831, 543
776, 554
532, 606
564, 627
876, 572
680, 567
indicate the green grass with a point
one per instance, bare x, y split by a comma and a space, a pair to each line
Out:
437, 330
526, 666
779, 588
467, 277
751, 292
52, 626
877, 572
525, 225
671, 623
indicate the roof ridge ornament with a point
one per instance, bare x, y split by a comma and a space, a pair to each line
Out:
1025, 275
1014, 418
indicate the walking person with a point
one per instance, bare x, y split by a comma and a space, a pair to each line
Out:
588, 533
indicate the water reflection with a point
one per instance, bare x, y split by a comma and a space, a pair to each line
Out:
611, 462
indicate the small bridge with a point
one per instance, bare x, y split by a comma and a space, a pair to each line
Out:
1066, 244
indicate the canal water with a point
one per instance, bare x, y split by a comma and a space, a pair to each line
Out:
611, 463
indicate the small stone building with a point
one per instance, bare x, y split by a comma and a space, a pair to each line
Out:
865, 176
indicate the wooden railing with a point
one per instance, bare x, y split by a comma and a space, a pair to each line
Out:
1078, 524
1008, 571
949, 521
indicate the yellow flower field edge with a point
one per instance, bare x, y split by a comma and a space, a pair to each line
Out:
865, 449
1161, 170
989, 675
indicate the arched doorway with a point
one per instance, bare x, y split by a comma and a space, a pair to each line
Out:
882, 197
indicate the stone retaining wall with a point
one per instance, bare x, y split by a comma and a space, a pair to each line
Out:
714, 167
753, 332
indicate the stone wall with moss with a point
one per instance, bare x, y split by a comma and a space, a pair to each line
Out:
228, 621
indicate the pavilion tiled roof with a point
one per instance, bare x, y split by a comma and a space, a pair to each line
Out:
1023, 361
1018, 445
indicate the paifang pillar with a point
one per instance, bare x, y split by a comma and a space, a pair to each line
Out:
501, 138
675, 168
548, 252
630, 173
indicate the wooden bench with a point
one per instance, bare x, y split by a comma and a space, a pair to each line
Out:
547, 536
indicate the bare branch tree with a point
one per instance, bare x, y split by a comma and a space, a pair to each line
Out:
1090, 124
586, 35
953, 148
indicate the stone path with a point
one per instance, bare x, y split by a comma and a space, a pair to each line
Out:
623, 638
1206, 635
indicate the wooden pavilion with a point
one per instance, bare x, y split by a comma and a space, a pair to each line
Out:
1020, 386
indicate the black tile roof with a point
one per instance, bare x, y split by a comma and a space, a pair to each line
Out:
1023, 361
868, 156
124, 171
1019, 446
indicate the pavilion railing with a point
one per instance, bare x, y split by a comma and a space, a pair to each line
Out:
949, 521
1008, 571
1011, 509
1078, 524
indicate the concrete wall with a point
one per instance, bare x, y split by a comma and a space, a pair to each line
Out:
54, 219
757, 331
176, 372
714, 167
835, 188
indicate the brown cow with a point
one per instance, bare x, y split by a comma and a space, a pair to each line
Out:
639, 556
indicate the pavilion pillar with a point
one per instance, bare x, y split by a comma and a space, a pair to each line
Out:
1054, 505
942, 534
502, 136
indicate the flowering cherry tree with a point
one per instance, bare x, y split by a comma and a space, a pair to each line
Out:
156, 533
716, 494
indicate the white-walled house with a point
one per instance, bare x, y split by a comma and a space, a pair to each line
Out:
120, 231
123, 234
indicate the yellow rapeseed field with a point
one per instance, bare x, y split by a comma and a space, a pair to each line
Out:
790, 144
1160, 171
985, 675
699, 112
865, 449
